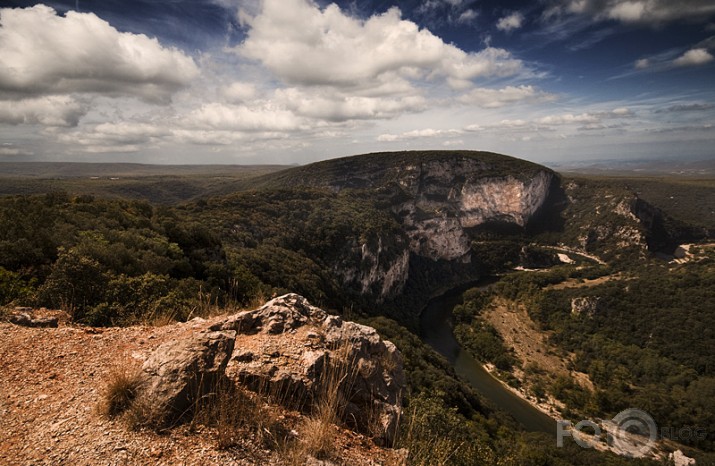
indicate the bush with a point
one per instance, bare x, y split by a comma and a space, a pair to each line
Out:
435, 434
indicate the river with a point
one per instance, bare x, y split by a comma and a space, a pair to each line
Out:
436, 330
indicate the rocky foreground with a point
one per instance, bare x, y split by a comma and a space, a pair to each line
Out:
54, 391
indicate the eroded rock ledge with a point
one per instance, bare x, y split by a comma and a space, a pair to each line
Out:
286, 347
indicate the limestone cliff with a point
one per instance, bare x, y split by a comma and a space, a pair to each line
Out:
448, 197
381, 272
437, 198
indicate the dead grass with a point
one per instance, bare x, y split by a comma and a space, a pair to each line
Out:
584, 283
234, 415
205, 307
120, 399
317, 432
237, 413
121, 388
158, 319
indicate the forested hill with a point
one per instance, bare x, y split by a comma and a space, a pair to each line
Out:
379, 169
367, 229
159, 184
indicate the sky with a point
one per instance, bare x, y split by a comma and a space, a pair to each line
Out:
296, 81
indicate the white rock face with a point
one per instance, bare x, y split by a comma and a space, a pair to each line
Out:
506, 199
680, 459
379, 271
396, 275
449, 196
585, 305
440, 199
439, 238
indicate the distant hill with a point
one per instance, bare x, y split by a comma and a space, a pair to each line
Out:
164, 184
682, 168
65, 170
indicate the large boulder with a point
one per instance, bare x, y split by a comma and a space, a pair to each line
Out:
292, 351
179, 373
298, 351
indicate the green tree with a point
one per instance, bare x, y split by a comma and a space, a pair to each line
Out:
75, 284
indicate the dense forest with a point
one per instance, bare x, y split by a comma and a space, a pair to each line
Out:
109, 261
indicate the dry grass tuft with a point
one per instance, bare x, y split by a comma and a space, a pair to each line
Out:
121, 389
317, 432
236, 414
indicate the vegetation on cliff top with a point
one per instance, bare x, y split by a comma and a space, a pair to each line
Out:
378, 169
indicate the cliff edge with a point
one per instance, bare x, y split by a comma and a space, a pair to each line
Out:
248, 388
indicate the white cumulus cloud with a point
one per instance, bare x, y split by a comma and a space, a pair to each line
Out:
304, 45
642, 64
327, 105
58, 110
219, 116
694, 57
119, 136
238, 92
510, 22
419, 134
467, 16
44, 53
495, 98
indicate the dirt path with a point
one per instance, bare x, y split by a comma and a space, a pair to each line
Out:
584, 283
577, 253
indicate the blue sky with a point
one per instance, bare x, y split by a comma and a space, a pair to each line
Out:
294, 81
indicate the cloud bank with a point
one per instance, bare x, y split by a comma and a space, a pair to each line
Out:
308, 78
304, 45
44, 53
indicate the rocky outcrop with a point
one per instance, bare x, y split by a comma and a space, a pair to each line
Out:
38, 318
287, 348
637, 226
381, 272
436, 196
26, 320
587, 305
182, 372
437, 200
